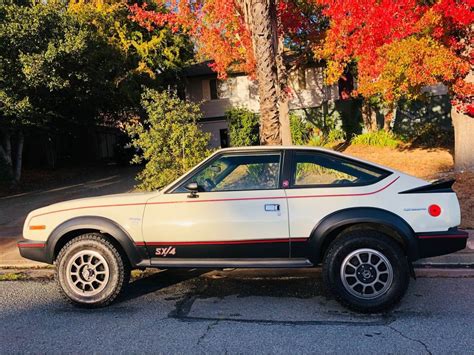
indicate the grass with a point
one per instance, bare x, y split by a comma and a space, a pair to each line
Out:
13, 276
379, 138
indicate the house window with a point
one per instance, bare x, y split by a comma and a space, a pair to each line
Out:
213, 89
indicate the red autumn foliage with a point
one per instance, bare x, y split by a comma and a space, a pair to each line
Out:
380, 36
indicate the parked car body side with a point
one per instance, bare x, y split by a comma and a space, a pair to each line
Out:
255, 207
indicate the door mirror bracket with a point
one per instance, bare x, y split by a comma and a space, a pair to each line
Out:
193, 188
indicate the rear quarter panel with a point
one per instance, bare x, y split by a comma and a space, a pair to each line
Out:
308, 206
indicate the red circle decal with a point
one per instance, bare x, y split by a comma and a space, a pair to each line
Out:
434, 210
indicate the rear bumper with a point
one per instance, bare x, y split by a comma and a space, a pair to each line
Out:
33, 250
441, 243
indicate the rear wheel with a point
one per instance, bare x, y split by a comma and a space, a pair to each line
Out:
90, 271
366, 270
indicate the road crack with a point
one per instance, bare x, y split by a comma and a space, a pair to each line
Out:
409, 338
210, 326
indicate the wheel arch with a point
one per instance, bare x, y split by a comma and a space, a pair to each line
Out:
76, 226
357, 218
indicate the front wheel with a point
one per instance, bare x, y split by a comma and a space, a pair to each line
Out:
366, 271
90, 271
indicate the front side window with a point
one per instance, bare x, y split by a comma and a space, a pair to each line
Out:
237, 173
317, 169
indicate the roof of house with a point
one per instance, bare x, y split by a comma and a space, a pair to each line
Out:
199, 69
203, 68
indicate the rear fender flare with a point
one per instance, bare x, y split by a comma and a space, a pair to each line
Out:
323, 232
101, 224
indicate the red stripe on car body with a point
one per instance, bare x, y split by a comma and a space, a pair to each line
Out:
438, 236
223, 242
221, 200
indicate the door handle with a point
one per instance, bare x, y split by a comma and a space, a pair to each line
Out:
272, 207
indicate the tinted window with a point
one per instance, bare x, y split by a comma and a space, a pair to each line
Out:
311, 169
238, 172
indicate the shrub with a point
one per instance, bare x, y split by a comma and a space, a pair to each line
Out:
379, 138
333, 137
301, 130
243, 127
168, 139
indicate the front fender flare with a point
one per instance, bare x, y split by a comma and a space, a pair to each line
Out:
102, 224
352, 216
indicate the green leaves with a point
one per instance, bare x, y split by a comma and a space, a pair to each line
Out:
79, 62
168, 139
243, 127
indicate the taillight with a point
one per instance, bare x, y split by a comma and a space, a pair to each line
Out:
434, 210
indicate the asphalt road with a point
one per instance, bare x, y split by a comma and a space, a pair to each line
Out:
236, 311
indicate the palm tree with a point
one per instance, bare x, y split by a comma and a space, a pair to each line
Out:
261, 19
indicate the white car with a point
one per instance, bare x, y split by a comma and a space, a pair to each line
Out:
255, 207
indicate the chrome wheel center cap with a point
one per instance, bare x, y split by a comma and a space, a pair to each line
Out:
88, 273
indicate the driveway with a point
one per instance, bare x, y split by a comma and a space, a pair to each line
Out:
236, 311
13, 209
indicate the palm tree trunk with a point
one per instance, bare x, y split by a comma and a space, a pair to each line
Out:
283, 99
260, 17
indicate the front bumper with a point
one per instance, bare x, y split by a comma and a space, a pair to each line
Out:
33, 250
441, 243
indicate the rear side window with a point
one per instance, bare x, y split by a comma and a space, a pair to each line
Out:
318, 169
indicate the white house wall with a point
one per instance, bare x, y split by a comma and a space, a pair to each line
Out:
214, 127
240, 91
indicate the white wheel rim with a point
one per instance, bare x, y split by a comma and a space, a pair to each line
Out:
366, 273
87, 273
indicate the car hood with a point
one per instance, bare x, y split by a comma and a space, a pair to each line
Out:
131, 198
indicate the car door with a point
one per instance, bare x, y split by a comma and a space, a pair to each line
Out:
321, 183
240, 211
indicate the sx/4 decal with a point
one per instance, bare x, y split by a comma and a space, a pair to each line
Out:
165, 251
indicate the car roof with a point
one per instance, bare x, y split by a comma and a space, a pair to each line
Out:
272, 147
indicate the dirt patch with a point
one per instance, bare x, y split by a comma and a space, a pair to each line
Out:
427, 164
424, 163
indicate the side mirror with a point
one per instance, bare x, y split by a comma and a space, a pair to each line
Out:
193, 188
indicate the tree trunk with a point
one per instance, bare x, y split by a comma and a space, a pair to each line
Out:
6, 151
19, 157
285, 127
388, 118
369, 117
12, 160
260, 19
463, 140
282, 77
464, 134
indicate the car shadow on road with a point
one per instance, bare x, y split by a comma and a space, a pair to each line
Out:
158, 281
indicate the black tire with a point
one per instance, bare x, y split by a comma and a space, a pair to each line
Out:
102, 273
354, 291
